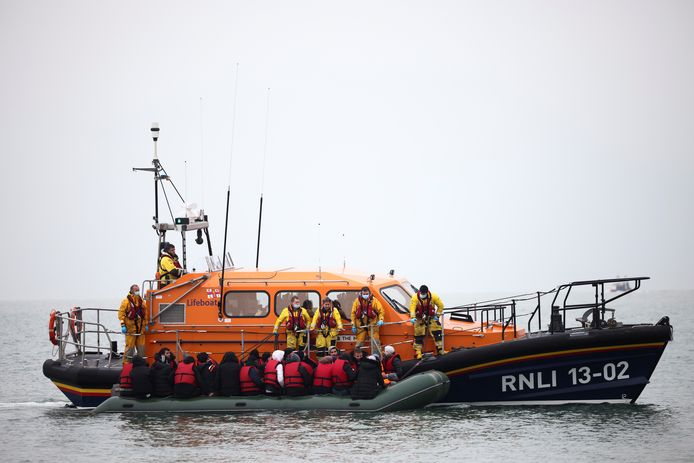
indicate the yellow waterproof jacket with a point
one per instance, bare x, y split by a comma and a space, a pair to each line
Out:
167, 268
336, 317
435, 299
133, 325
375, 305
284, 316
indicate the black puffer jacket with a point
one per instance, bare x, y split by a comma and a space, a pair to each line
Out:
369, 380
142, 385
162, 376
227, 383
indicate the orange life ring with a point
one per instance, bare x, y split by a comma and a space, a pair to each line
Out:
52, 333
76, 323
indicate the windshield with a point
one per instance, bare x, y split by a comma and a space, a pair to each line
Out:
397, 297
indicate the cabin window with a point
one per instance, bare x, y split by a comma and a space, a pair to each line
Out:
282, 299
346, 299
246, 304
397, 297
175, 313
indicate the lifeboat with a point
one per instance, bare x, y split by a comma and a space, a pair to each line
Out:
498, 352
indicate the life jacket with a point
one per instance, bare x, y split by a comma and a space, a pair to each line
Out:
126, 382
425, 308
365, 308
185, 374
270, 376
135, 309
247, 384
295, 320
340, 378
388, 363
292, 375
326, 320
324, 375
163, 274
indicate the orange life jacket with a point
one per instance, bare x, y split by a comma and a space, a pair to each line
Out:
247, 384
324, 375
340, 378
270, 376
126, 381
185, 374
292, 375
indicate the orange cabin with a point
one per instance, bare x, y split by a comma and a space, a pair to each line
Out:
185, 315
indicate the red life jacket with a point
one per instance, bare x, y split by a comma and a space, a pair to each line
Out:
326, 320
292, 376
340, 378
425, 308
135, 309
270, 376
247, 384
388, 363
126, 381
185, 374
295, 321
365, 308
324, 375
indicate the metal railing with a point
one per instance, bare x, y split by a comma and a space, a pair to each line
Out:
73, 330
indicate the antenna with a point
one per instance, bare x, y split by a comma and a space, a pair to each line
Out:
262, 181
226, 216
185, 180
344, 254
202, 159
320, 270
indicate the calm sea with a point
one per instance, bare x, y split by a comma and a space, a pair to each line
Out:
35, 425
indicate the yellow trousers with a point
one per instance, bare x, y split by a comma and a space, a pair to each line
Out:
133, 344
324, 341
295, 340
362, 333
420, 330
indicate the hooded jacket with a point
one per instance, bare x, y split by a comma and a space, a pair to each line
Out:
369, 379
140, 376
162, 375
227, 381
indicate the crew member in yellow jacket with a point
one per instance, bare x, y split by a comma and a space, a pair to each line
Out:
426, 311
169, 267
367, 316
328, 322
296, 320
133, 323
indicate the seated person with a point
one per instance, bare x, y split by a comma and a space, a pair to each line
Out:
369, 380
186, 382
392, 365
162, 374
273, 376
206, 370
227, 381
343, 375
297, 379
250, 379
323, 376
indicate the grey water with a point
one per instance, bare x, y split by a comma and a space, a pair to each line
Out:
35, 425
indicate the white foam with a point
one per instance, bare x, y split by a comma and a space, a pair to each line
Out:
48, 404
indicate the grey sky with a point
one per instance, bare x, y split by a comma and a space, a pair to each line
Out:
475, 146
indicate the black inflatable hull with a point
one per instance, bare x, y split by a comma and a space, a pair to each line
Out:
581, 366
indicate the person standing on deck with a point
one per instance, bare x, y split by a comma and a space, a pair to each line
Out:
367, 317
133, 323
328, 322
426, 310
169, 267
296, 321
